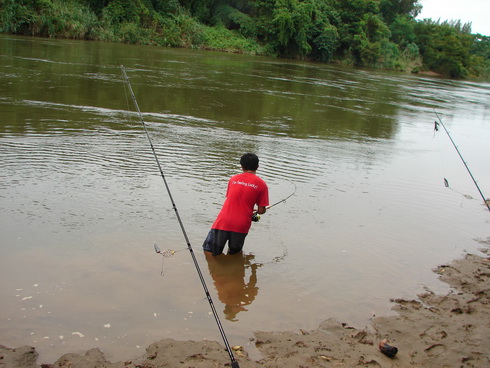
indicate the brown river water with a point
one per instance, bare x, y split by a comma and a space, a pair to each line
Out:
82, 200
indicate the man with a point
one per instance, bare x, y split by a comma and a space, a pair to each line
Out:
244, 191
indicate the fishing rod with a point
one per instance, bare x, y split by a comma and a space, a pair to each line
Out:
234, 363
285, 199
436, 128
256, 216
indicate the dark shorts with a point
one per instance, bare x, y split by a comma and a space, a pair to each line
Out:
216, 240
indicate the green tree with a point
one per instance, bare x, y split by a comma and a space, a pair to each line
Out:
481, 46
364, 34
480, 56
403, 30
202, 10
445, 48
164, 7
235, 19
21, 16
120, 11
391, 9
290, 22
297, 29
48, 18
96, 5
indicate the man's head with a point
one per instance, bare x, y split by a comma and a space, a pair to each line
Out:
249, 161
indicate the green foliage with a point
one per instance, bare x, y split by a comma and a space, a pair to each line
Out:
234, 19
369, 45
356, 27
481, 46
325, 43
223, 39
133, 34
48, 18
391, 9
445, 49
166, 6
300, 29
190, 31
199, 9
479, 66
69, 20
96, 5
376, 29
291, 19
21, 16
122, 12
403, 30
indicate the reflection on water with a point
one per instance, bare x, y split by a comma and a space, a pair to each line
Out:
235, 290
82, 201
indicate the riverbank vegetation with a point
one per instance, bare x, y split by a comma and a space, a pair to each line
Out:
382, 34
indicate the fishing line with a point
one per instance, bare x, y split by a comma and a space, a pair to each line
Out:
446, 183
276, 259
256, 216
234, 363
441, 156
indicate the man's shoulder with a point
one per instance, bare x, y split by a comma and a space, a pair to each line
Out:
260, 181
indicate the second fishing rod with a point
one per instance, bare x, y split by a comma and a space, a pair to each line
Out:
436, 128
234, 363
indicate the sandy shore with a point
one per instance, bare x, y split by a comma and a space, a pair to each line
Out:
431, 330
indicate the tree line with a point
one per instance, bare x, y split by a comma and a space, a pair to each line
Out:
381, 34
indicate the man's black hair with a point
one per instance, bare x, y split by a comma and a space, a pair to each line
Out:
250, 161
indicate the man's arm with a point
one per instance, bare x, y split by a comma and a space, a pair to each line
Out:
261, 210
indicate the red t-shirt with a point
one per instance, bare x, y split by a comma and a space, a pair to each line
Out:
244, 192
